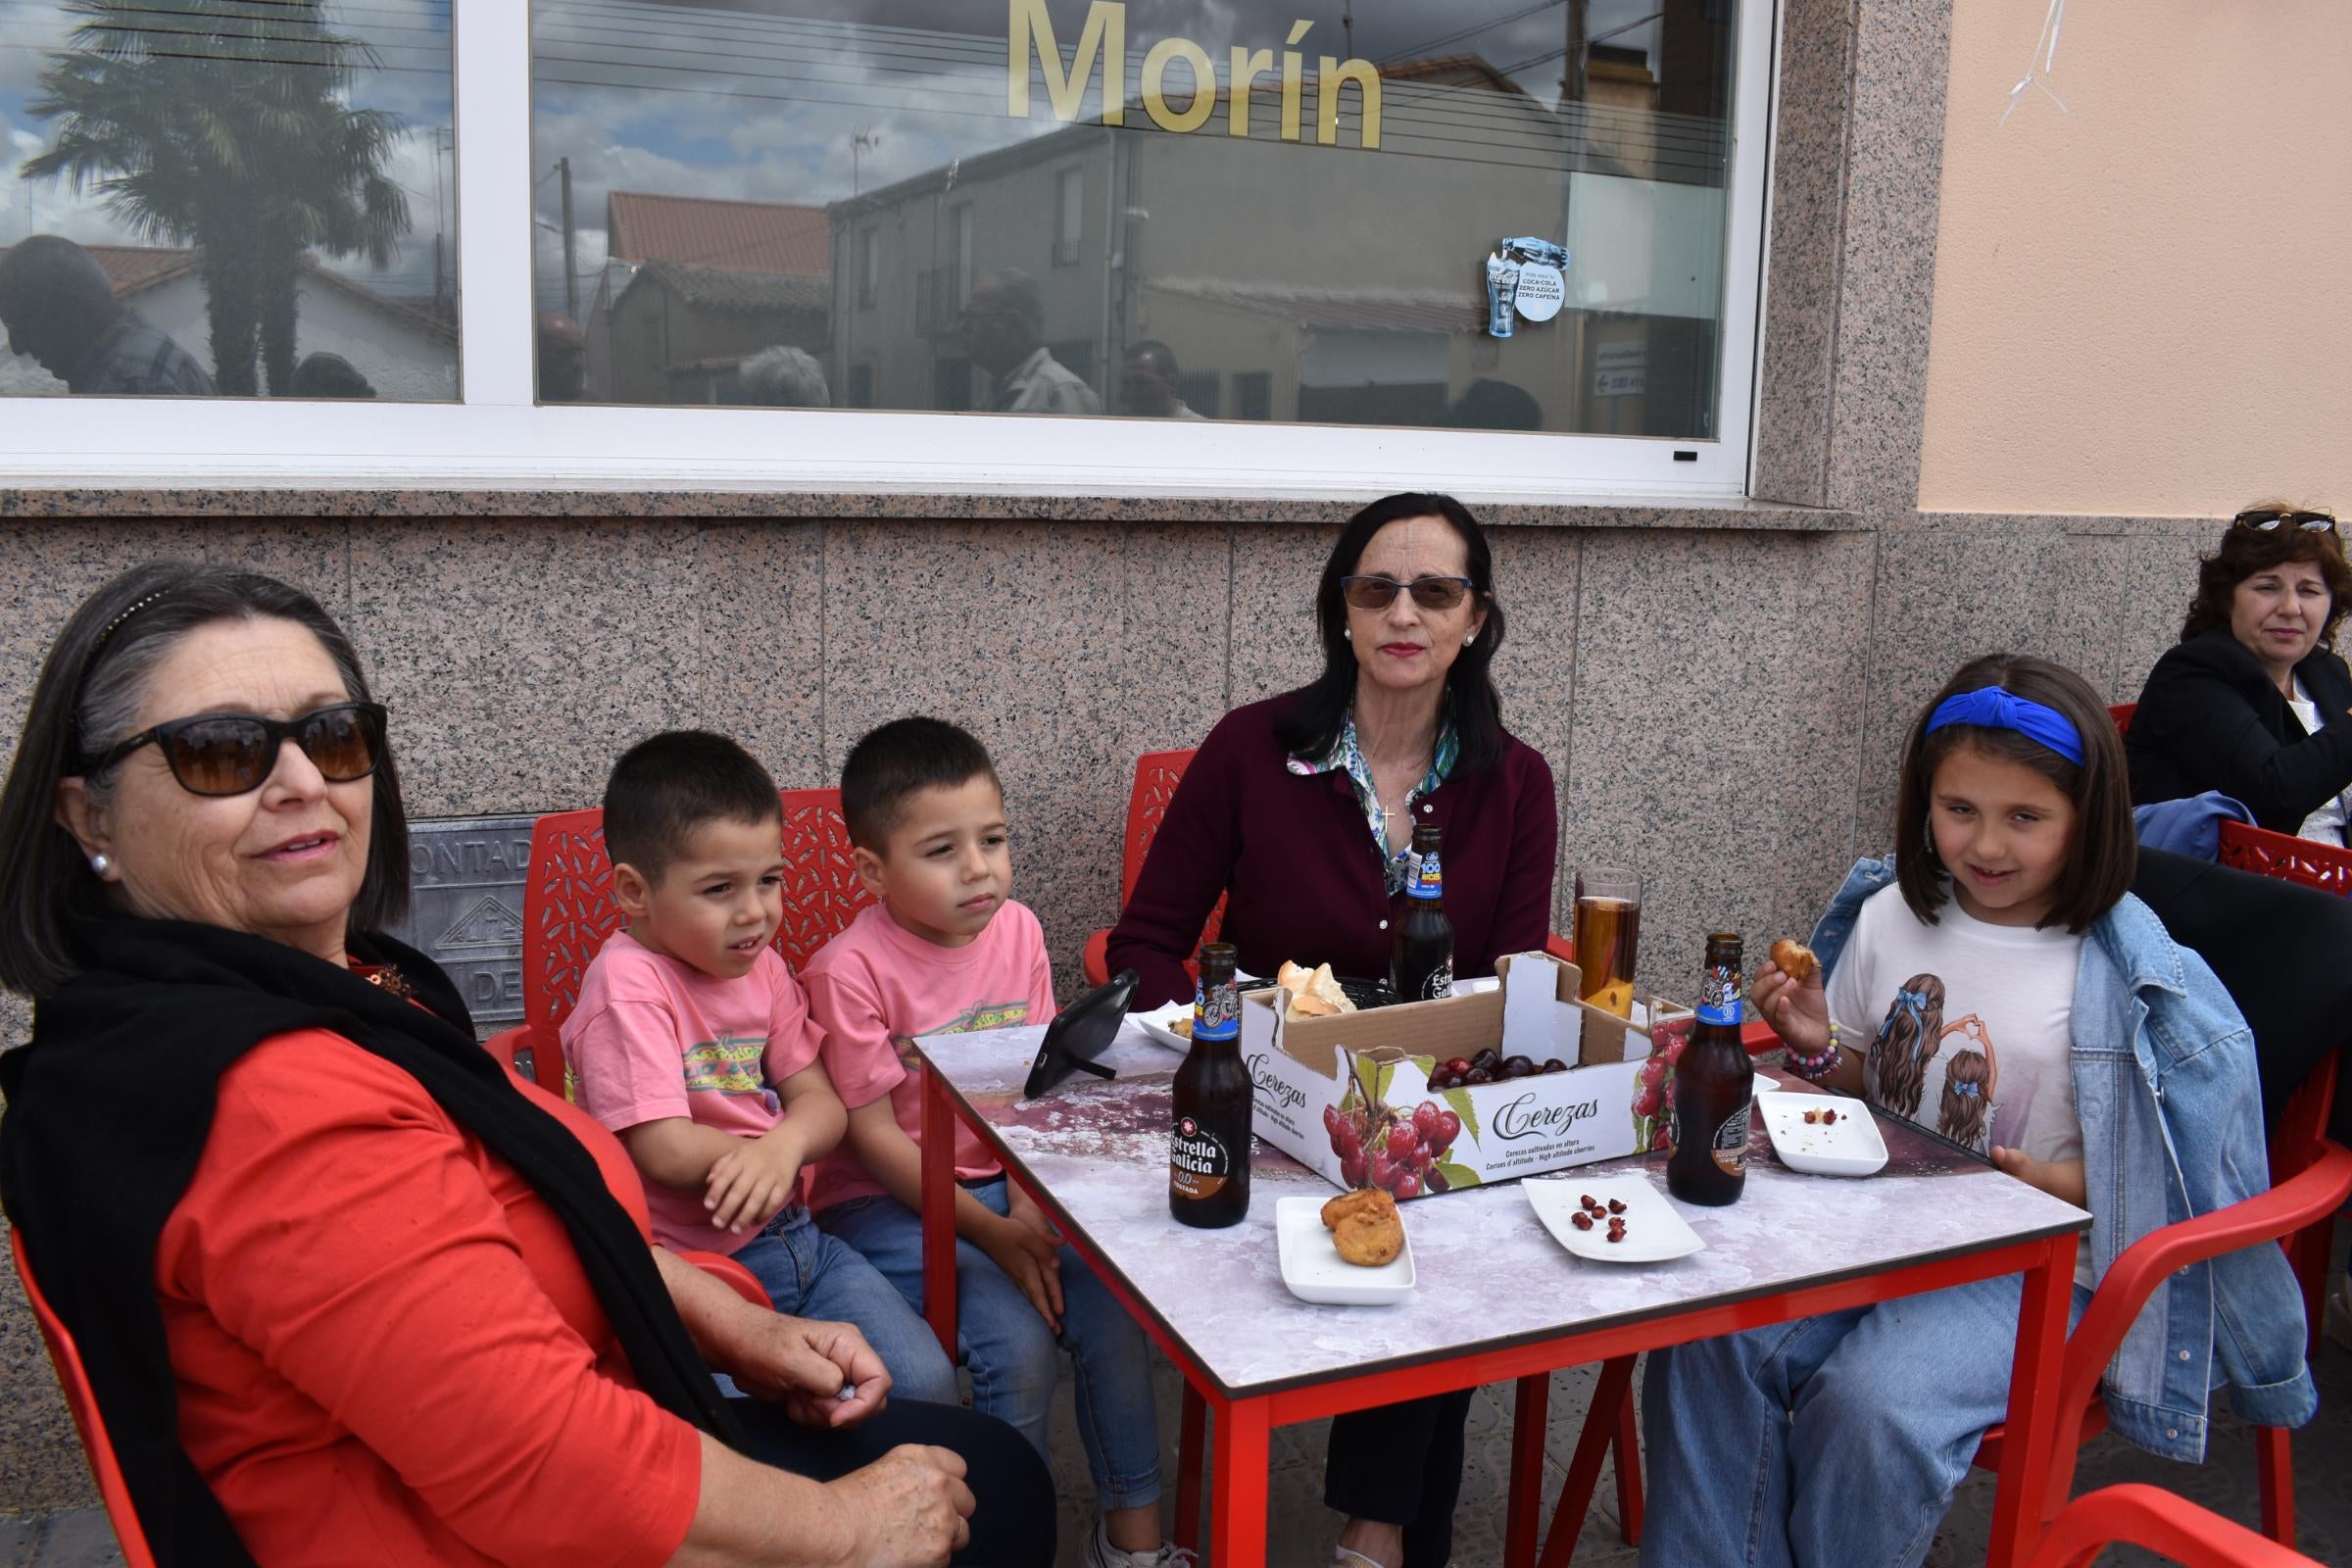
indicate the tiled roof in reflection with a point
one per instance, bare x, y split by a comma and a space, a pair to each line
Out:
772, 237
718, 290
1338, 309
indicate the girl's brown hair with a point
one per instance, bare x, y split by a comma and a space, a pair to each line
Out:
2104, 853
2247, 551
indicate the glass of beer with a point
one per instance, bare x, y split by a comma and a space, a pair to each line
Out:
1608, 936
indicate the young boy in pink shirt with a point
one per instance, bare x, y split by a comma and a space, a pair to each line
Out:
946, 951
693, 1044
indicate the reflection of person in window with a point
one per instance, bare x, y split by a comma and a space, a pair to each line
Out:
783, 377
1004, 329
61, 309
330, 375
1148, 383
563, 358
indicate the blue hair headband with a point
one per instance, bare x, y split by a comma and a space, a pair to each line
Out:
1991, 707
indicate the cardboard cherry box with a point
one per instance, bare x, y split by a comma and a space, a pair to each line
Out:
1348, 1095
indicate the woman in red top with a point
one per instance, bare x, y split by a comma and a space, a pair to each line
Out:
347, 1289
1299, 811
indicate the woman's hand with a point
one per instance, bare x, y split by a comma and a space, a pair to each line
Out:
1799, 1014
910, 1509
1033, 1262
807, 1365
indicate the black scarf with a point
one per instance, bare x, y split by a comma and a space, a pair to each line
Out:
109, 1109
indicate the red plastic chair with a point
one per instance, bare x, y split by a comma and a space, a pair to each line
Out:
569, 913
1156, 774
2291, 860
2121, 713
74, 1379
2160, 1521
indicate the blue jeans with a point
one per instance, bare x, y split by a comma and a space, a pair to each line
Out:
1012, 1354
809, 1274
1831, 1441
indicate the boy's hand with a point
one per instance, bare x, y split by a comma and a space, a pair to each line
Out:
1031, 1262
1798, 1013
749, 1184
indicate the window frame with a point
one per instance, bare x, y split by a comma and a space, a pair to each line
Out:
497, 437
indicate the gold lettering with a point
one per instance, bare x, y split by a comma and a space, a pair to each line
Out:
1103, 40
1294, 67
1205, 85
1335, 75
1248, 66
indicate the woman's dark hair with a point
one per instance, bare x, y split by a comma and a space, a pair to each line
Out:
1312, 727
2247, 551
2104, 853
87, 697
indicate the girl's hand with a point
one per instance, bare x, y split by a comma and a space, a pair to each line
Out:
2060, 1178
1023, 1209
1033, 1262
1798, 1013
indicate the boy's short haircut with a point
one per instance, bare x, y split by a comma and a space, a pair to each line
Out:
663, 789
895, 762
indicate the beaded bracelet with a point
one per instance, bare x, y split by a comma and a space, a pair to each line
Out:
1821, 1066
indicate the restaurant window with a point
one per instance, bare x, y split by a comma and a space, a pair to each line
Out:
226, 198
869, 266
1330, 208
1069, 214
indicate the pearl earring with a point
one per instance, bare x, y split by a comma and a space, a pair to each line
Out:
1348, 632
101, 863
1467, 641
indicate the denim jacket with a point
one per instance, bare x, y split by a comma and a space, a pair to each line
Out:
2165, 1085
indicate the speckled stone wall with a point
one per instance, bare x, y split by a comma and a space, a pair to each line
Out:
1720, 690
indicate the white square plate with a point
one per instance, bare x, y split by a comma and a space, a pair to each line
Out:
1157, 1022
1311, 1265
1851, 1146
1653, 1231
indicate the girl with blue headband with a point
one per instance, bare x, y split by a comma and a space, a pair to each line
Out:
2087, 1055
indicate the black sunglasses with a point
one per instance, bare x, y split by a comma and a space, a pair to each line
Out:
234, 754
1430, 593
2268, 519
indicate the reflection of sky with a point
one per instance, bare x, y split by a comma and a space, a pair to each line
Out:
777, 100
411, 80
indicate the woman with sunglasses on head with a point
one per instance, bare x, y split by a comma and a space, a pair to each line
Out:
2253, 701
344, 1286
1299, 811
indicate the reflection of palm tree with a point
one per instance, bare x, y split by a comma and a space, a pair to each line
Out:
224, 124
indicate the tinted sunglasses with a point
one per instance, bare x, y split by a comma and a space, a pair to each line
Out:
234, 754
2268, 519
1430, 593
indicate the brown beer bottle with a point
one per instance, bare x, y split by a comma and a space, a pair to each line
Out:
1208, 1154
1714, 1087
1421, 947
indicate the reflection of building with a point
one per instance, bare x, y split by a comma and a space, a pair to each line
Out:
1333, 311
402, 351
695, 288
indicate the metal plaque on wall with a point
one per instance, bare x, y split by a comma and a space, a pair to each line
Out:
466, 877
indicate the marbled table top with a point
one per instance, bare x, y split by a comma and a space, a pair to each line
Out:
1489, 1273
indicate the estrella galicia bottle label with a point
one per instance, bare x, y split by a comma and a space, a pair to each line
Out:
1427, 881
1217, 1011
1199, 1163
1439, 984
1719, 1000
1730, 1147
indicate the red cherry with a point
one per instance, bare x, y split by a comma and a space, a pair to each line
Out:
1407, 1185
1404, 1141
1457, 1067
1384, 1169
1331, 1119
1435, 1181
1424, 1118
1347, 1140
1449, 1127
1351, 1169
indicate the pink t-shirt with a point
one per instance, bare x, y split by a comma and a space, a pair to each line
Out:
876, 980
655, 1038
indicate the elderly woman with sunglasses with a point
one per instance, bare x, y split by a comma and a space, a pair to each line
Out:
346, 1288
1299, 810
2253, 701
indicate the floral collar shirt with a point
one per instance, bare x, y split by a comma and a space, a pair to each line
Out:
1350, 756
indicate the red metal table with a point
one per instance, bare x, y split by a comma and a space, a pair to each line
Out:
1498, 1299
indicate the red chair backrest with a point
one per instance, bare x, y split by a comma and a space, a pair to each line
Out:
1157, 776
2121, 713
2291, 860
74, 1379
569, 913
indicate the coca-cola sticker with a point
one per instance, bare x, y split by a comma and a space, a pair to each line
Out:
1543, 290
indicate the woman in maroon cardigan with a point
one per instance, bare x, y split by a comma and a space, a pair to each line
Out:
1300, 810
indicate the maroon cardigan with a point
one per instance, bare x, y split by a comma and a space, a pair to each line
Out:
1307, 882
